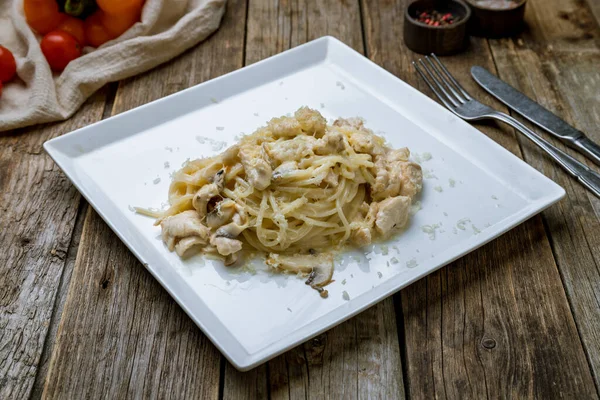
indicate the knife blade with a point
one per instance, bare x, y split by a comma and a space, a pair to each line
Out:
536, 113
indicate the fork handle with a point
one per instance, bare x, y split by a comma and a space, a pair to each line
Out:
586, 176
589, 148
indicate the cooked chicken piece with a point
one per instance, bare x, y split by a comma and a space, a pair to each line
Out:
319, 266
183, 225
362, 233
400, 154
311, 121
392, 214
352, 123
334, 142
207, 192
360, 138
390, 171
291, 150
412, 179
226, 246
365, 142
284, 127
259, 174
284, 169
256, 165
361, 236
221, 214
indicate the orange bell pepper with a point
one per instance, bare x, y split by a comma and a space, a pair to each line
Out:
42, 16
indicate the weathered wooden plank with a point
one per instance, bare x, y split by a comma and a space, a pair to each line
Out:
487, 325
594, 5
38, 207
59, 303
557, 63
121, 334
361, 357
250, 385
357, 359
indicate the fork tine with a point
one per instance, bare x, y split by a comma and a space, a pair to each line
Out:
442, 77
433, 88
449, 76
439, 84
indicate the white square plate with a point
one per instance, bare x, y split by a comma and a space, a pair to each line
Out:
474, 191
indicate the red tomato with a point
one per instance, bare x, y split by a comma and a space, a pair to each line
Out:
8, 66
95, 32
116, 7
74, 27
60, 49
42, 15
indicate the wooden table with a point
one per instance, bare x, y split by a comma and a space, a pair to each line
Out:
81, 318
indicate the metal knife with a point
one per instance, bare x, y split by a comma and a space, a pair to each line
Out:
536, 113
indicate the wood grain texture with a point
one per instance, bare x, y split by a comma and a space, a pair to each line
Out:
497, 323
121, 334
248, 385
556, 62
38, 206
361, 357
59, 303
357, 359
594, 6
489, 324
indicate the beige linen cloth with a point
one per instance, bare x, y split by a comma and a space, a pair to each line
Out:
167, 28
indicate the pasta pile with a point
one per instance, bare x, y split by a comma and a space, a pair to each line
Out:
295, 186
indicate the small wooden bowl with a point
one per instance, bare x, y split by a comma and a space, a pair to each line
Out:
441, 40
492, 22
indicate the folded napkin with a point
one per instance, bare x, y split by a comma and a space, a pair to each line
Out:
167, 28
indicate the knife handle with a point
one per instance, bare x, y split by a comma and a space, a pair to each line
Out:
589, 148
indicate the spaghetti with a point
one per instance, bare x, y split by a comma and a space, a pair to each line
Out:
292, 187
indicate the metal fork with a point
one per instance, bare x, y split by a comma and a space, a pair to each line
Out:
457, 100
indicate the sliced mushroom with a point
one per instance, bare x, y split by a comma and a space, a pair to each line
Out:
207, 192
230, 231
188, 246
321, 275
320, 266
221, 214
230, 259
225, 246
235, 227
